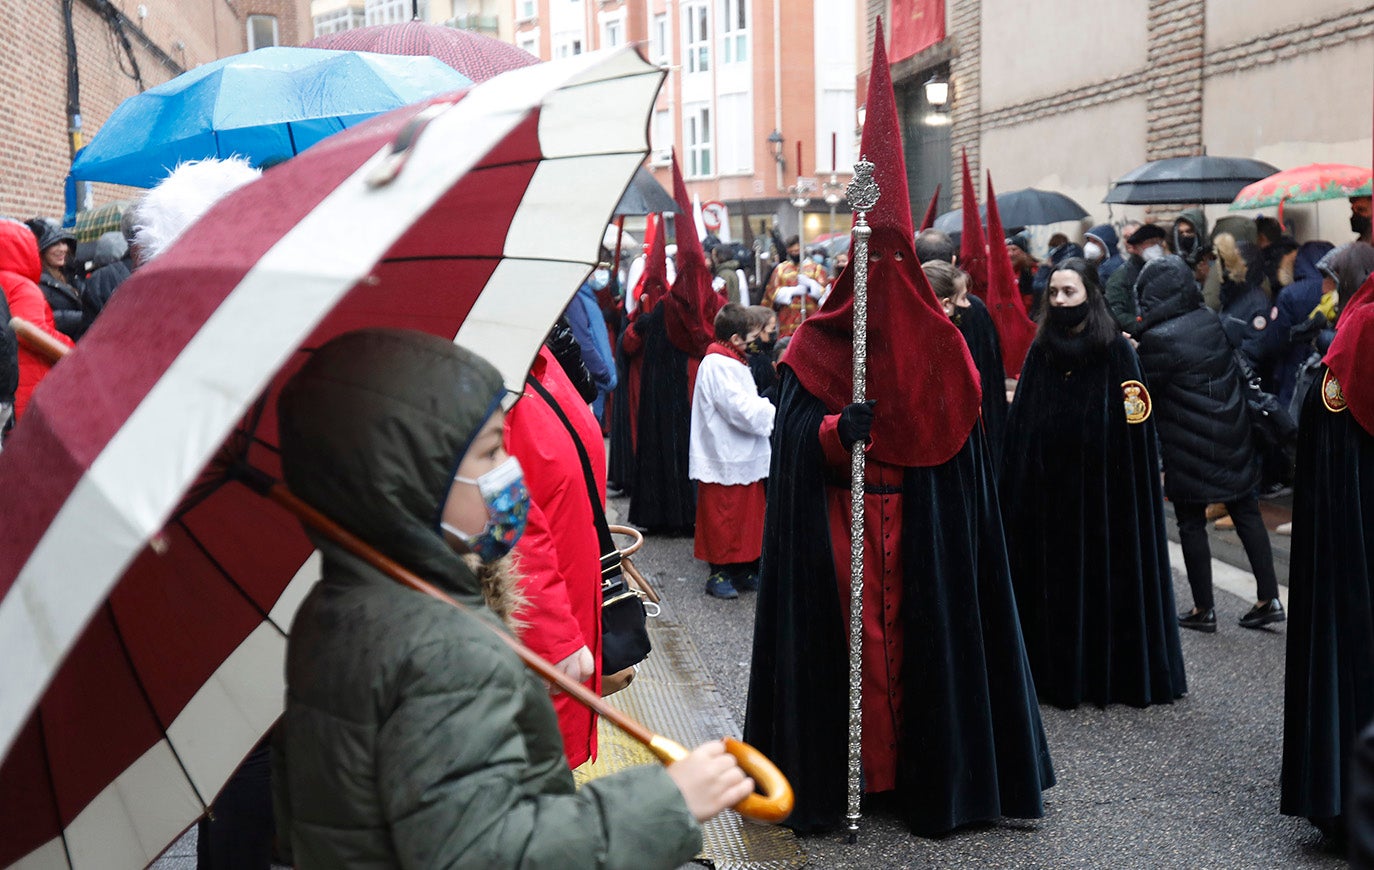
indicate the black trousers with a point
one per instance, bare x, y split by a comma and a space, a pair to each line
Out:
240, 835
1197, 553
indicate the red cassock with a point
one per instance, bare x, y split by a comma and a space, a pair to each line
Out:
881, 690
632, 345
559, 554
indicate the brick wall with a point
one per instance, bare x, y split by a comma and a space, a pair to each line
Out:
34, 143
966, 28
1173, 103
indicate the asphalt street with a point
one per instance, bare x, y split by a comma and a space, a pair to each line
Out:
1193, 784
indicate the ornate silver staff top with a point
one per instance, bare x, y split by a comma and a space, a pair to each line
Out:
863, 195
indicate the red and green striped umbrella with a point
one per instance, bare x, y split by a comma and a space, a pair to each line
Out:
1305, 184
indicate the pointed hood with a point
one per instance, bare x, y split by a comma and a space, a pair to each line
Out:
929, 220
692, 302
654, 284
973, 247
1354, 371
919, 368
1015, 330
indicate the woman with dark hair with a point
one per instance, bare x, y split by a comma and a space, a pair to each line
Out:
1204, 430
1083, 510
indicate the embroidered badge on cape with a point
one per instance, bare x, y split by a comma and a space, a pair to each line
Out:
1332, 397
1138, 405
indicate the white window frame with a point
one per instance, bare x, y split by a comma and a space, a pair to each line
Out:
734, 37
696, 36
528, 40
251, 20
661, 137
661, 38
613, 21
526, 10
697, 140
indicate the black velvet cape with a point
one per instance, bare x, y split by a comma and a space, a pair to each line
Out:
1329, 685
620, 459
1084, 516
972, 744
663, 499
981, 335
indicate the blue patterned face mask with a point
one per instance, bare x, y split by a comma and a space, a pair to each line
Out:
508, 504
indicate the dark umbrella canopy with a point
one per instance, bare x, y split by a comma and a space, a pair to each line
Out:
1179, 180
476, 56
644, 196
1021, 208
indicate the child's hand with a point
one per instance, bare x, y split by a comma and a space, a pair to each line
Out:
579, 667
710, 780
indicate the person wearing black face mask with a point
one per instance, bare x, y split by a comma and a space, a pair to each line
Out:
1083, 510
1360, 218
762, 342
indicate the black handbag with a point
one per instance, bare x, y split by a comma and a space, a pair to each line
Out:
1271, 425
624, 626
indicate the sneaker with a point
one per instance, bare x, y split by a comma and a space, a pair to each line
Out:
1264, 613
719, 586
1225, 524
1275, 490
1202, 620
1284, 529
748, 583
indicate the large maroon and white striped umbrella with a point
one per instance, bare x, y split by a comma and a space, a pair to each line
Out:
145, 594
474, 55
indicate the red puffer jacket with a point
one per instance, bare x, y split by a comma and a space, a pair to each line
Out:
20, 269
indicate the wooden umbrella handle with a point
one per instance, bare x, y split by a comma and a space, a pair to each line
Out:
37, 340
772, 806
772, 800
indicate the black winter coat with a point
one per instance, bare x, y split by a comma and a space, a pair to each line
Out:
1199, 406
9, 355
68, 315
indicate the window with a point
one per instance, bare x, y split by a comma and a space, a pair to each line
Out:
661, 137
735, 133
658, 39
529, 42
697, 33
262, 31
734, 31
698, 136
612, 32
339, 20
393, 11
527, 10
577, 46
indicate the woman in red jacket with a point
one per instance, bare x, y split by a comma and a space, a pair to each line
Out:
20, 270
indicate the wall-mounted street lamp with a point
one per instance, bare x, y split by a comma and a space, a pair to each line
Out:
775, 145
937, 91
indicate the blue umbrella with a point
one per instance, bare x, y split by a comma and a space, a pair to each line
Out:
265, 105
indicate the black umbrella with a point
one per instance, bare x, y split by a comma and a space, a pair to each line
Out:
1183, 180
646, 196
1021, 208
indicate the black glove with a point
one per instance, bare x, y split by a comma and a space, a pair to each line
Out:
1306, 331
856, 423
569, 355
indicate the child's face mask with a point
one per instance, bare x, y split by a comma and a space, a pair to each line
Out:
508, 504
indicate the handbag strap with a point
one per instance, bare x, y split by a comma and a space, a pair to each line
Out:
603, 529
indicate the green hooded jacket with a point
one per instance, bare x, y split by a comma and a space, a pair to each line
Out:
412, 736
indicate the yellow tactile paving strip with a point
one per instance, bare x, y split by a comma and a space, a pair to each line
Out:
673, 696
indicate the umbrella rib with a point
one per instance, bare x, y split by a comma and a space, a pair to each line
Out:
148, 699
226, 576
52, 781
494, 257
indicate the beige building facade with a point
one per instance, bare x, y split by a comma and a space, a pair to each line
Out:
1070, 95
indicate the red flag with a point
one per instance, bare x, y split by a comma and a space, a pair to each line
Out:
929, 220
973, 247
916, 26
1015, 330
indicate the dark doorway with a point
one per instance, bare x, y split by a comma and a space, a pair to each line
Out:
925, 142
